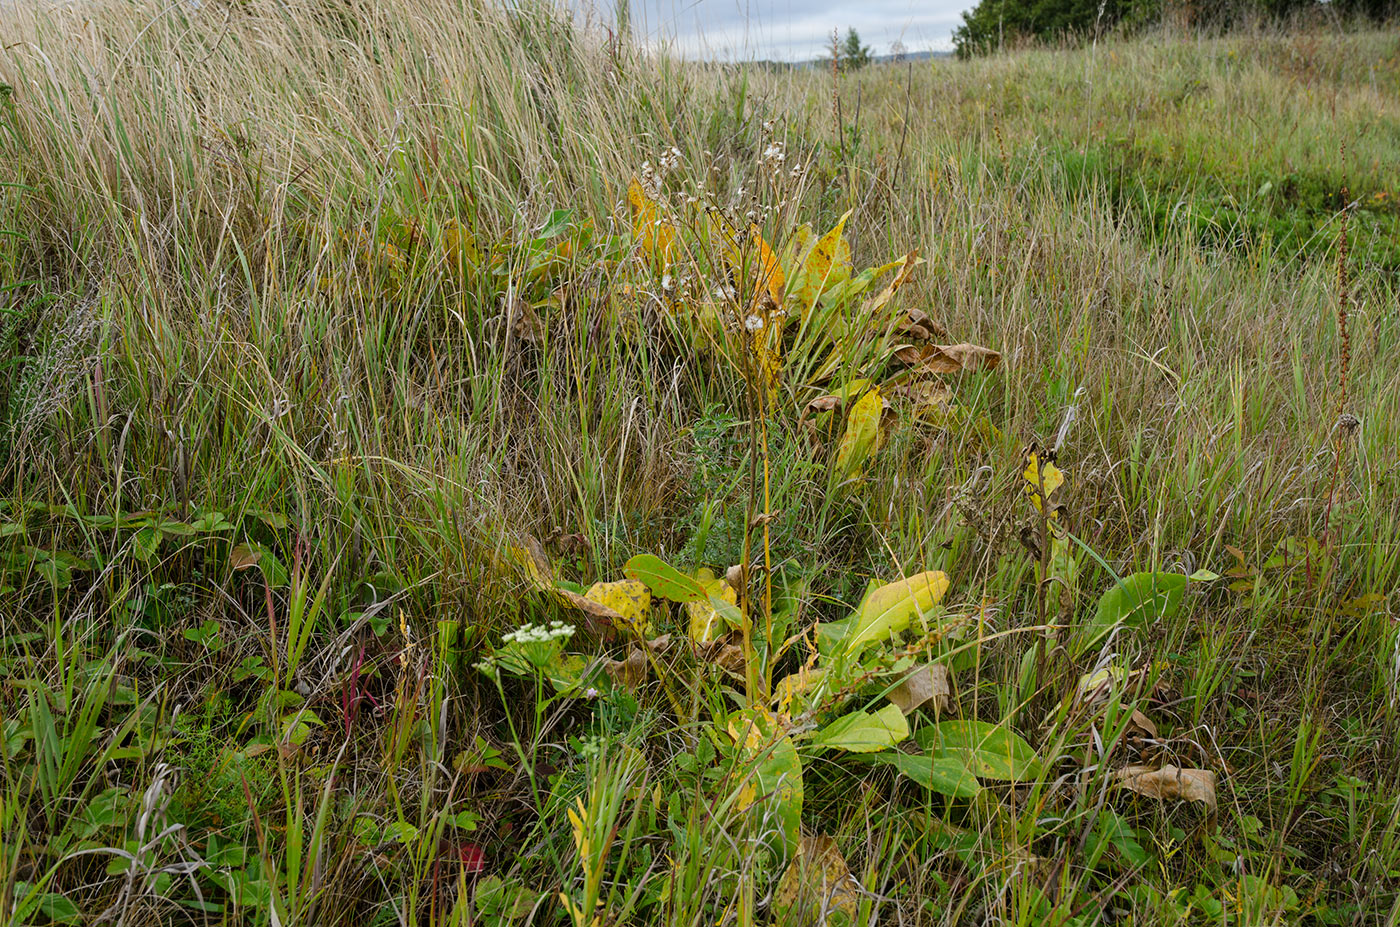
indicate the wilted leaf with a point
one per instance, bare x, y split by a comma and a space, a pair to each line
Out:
630, 673
948, 358
923, 684
946, 775
863, 731
794, 685
525, 323
629, 599
533, 561
253, 554
1171, 783
817, 884
1141, 727
243, 557
992, 751
825, 265
889, 609
918, 325
931, 399
862, 430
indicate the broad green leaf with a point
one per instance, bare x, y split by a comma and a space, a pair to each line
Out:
665, 580
946, 775
557, 223
889, 609
145, 544
992, 751
58, 909
1137, 601
771, 773
862, 428
863, 731
825, 265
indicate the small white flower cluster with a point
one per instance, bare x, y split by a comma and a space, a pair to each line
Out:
539, 634
651, 183
670, 159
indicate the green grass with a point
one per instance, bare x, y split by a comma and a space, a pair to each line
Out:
274, 429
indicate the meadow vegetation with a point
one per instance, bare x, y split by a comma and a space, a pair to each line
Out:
459, 468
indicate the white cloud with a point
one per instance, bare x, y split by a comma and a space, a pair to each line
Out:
788, 30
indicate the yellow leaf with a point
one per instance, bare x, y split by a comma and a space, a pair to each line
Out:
630, 599
658, 237
793, 686
1050, 473
825, 265
530, 557
795, 248
890, 608
862, 429
756, 270
459, 247
706, 625
817, 882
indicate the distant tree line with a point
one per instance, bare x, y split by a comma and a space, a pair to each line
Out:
993, 24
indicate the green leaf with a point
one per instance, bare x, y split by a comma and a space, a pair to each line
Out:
862, 430
946, 775
210, 522
1137, 601
771, 774
665, 580
254, 554
864, 732
58, 909
556, 224
991, 751
889, 609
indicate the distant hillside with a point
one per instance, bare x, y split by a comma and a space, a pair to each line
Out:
825, 61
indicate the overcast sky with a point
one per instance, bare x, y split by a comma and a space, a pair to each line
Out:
789, 30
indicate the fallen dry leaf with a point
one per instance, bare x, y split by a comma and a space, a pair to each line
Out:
926, 396
630, 673
923, 684
1142, 726
948, 358
1171, 783
917, 325
524, 321
824, 404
